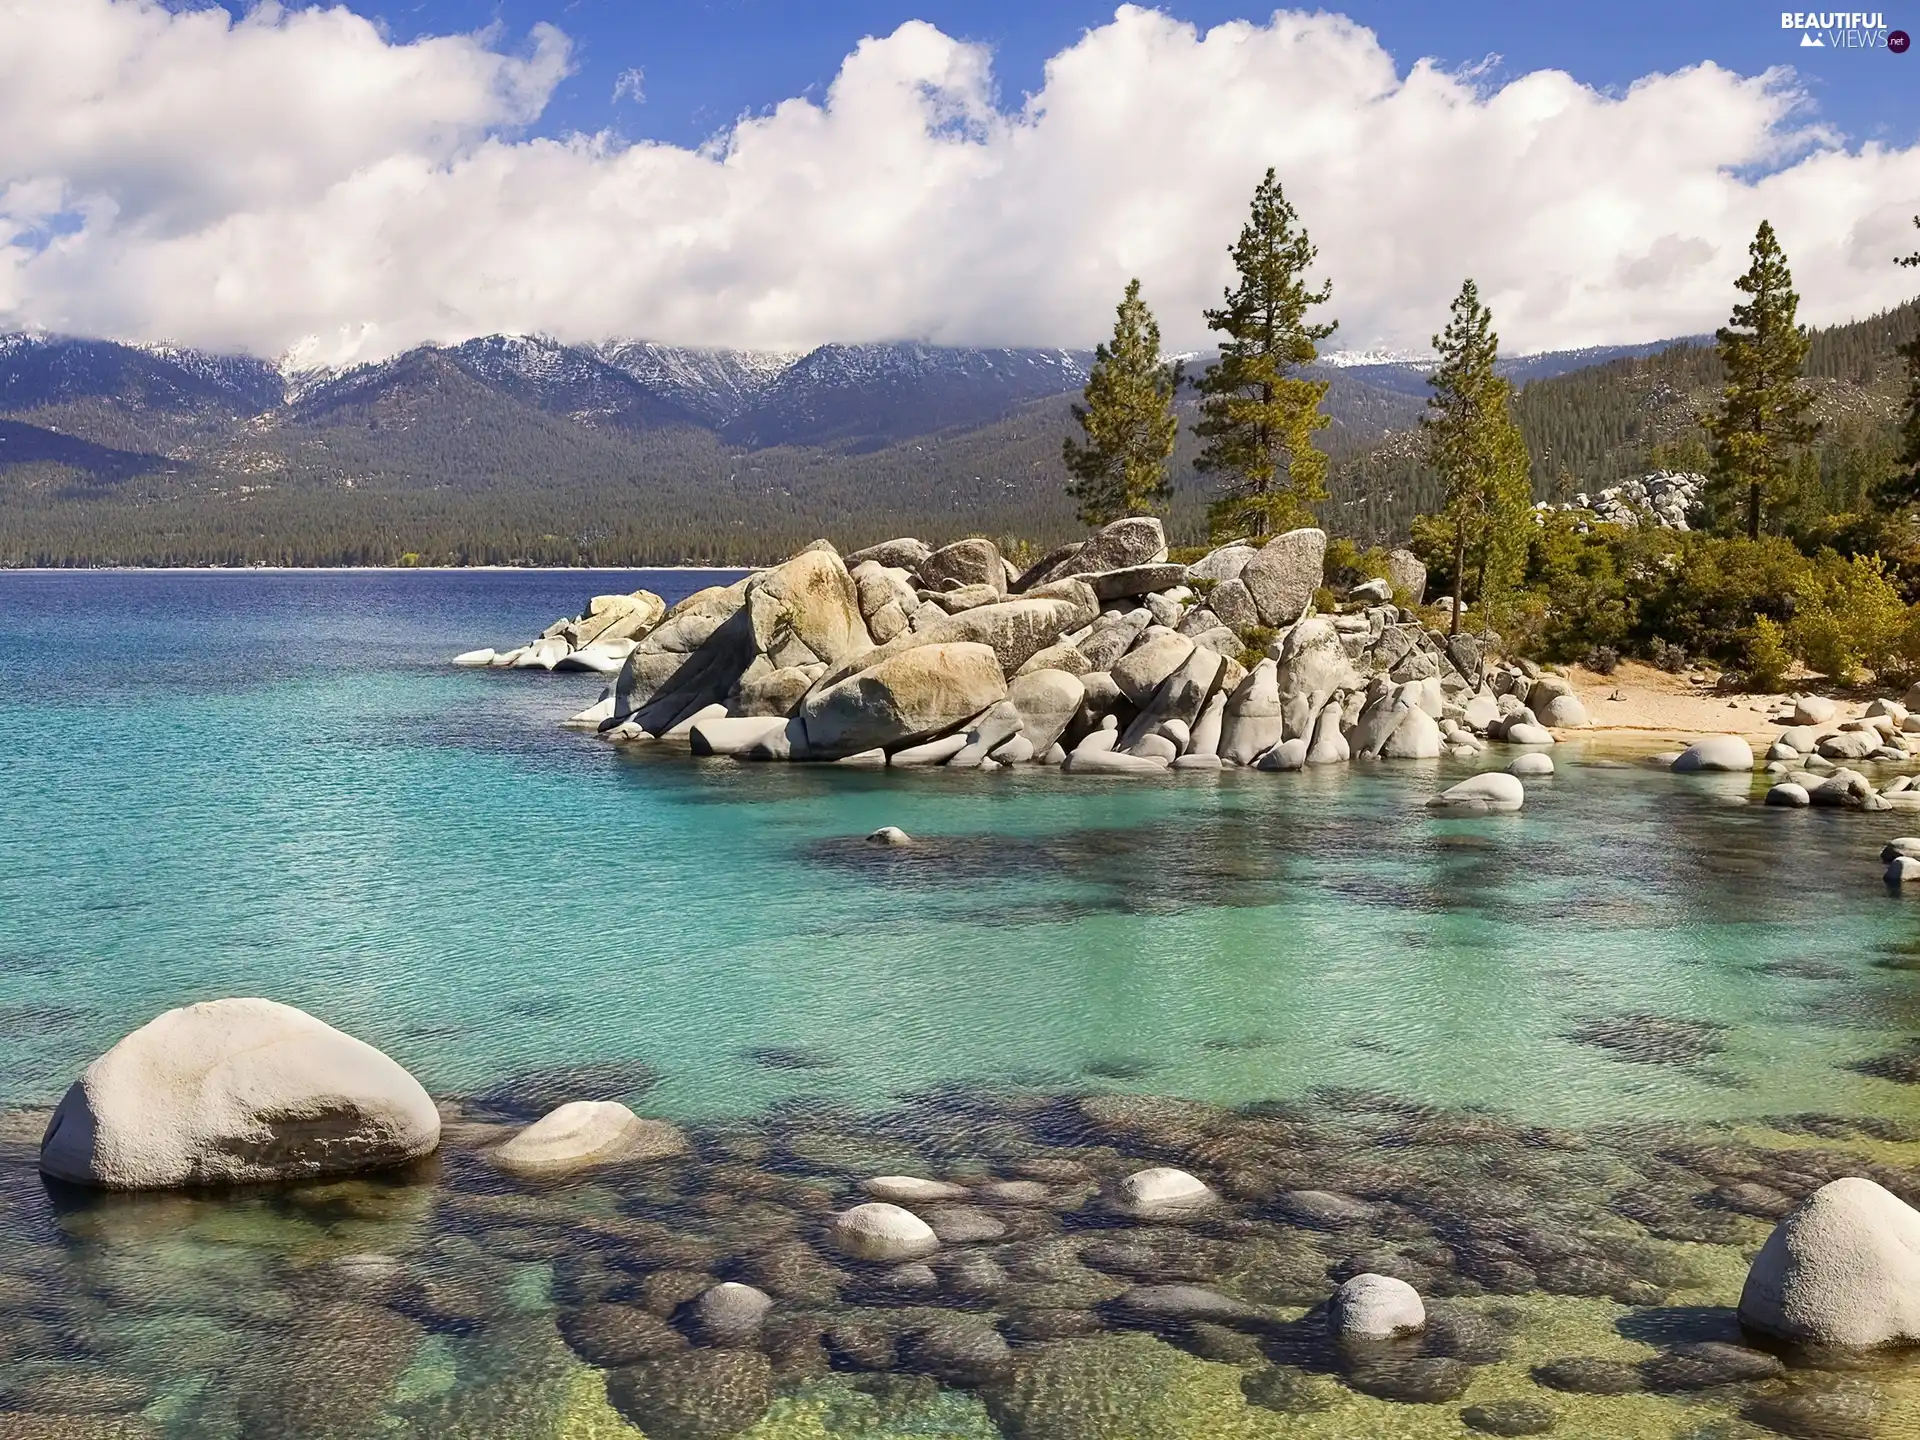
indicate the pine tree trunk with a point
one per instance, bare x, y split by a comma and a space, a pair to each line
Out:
1753, 510
1459, 569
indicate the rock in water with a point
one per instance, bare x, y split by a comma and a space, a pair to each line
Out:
1284, 575
1375, 1307
889, 835
1715, 752
233, 1092
1490, 792
585, 1133
906, 697
1253, 722
1843, 1268
474, 659
1532, 764
1161, 1193
728, 1314
882, 1231
1790, 794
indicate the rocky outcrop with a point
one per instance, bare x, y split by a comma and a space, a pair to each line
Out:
1107, 658
584, 1133
236, 1091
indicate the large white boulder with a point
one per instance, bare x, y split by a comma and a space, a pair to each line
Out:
1489, 792
1715, 752
879, 1230
1812, 710
1253, 722
232, 1092
1416, 737
911, 696
1375, 1307
1843, 1268
1283, 576
585, 1133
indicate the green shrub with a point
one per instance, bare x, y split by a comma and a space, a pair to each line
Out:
1767, 658
1848, 616
1253, 645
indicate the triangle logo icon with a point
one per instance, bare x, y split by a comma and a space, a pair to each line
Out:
1812, 42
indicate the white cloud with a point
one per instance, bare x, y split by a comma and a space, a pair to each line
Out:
631, 85
296, 175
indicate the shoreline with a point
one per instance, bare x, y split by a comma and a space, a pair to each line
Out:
366, 569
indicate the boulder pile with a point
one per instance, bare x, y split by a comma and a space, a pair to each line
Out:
599, 638
1103, 657
1666, 498
1812, 760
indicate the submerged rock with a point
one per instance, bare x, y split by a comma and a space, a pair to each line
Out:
236, 1091
882, 1231
1715, 752
1490, 792
890, 835
1375, 1307
585, 1133
1161, 1193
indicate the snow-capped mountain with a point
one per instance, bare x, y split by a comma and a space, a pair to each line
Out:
716, 385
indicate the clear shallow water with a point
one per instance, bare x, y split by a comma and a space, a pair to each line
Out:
242, 783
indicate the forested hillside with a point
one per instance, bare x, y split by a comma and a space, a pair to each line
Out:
512, 450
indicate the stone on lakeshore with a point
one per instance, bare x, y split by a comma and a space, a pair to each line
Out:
1480, 712
789, 742
1178, 700
987, 733
1109, 762
1223, 564
774, 692
1253, 722
541, 655
1313, 665
910, 696
1058, 656
1812, 710
1161, 1193
1155, 746
1533, 763
593, 717
233, 1092
965, 562
1015, 630
1046, 702
1407, 575
874, 759
602, 657
1901, 869
1789, 794
1563, 712
1523, 733
617, 618
1375, 1307
903, 554
1842, 1269
585, 1133
1112, 636
882, 1231
1284, 574
1207, 729
1233, 603
1017, 751
725, 735
934, 752
1903, 845
1490, 792
913, 1190
966, 597
889, 835
1329, 745
1849, 744
1715, 752
1198, 762
474, 659
728, 1314
1416, 737
1142, 670
683, 729
1135, 580
504, 659
1287, 755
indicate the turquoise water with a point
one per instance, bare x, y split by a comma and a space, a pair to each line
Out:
271, 783
231, 784
1573, 1061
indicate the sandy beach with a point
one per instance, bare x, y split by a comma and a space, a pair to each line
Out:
1641, 701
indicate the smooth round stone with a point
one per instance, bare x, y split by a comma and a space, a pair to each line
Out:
889, 835
1904, 845
1490, 792
1706, 1364
883, 1232
1015, 1192
1789, 794
1161, 1191
473, 659
1375, 1307
1531, 765
964, 1225
912, 1190
1901, 869
1583, 1375
1842, 1269
585, 1133
1160, 1303
729, 1313
1525, 734
1715, 752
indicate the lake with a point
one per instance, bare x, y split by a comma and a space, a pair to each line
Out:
1562, 1067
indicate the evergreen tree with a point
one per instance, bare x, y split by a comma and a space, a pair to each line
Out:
1256, 415
1904, 487
1762, 418
1474, 444
1129, 422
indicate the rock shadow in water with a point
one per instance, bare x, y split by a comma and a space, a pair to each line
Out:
532, 1093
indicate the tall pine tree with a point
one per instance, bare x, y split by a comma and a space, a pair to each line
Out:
1904, 487
1129, 422
1256, 415
1762, 418
1474, 443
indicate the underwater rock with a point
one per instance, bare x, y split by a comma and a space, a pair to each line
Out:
728, 1314
1161, 1193
585, 1133
884, 1232
1510, 1417
889, 835
1491, 792
610, 1335
1715, 752
697, 1395
1375, 1307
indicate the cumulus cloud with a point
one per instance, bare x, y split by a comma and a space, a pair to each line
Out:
294, 178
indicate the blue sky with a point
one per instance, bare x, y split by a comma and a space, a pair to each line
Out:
707, 61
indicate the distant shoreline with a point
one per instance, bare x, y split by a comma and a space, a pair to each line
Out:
350, 569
